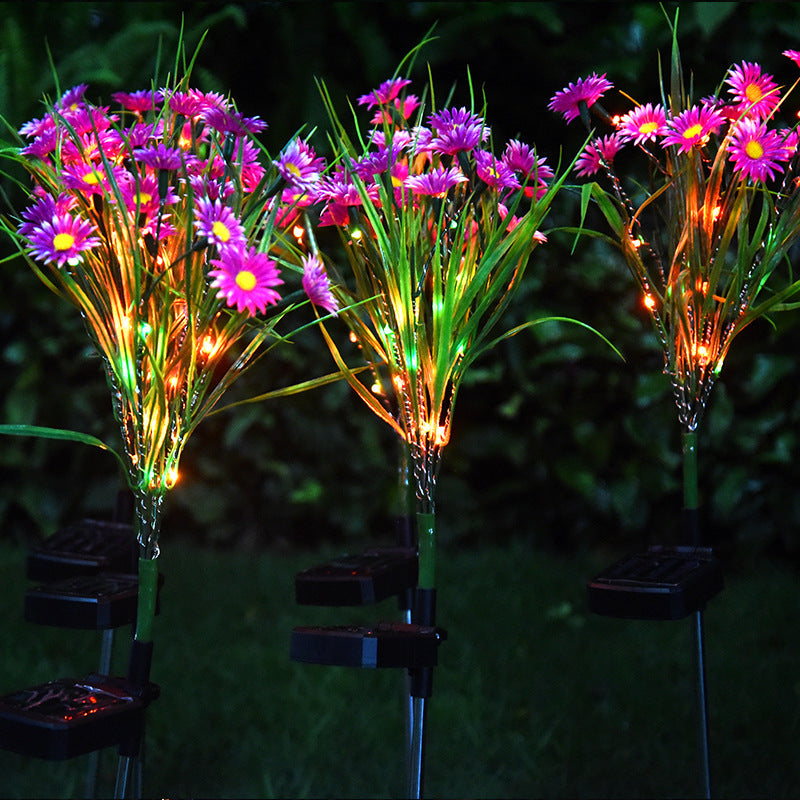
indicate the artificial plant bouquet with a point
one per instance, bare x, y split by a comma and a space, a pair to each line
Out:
165, 225
438, 231
706, 221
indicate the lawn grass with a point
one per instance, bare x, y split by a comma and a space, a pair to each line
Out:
533, 696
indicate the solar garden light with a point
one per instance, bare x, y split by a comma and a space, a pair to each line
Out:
159, 222
705, 228
437, 232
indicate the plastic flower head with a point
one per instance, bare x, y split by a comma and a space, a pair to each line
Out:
160, 156
245, 279
299, 165
692, 127
218, 224
794, 55
529, 168
456, 129
495, 172
755, 93
384, 94
62, 240
757, 152
402, 106
140, 101
588, 91
597, 153
437, 182
317, 285
226, 121
645, 123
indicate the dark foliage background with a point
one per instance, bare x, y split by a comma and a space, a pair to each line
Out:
556, 440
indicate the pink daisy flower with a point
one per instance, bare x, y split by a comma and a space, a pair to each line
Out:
190, 103
140, 102
62, 240
596, 153
317, 285
245, 279
89, 179
756, 152
793, 54
692, 127
226, 121
643, 124
339, 193
299, 164
218, 224
755, 93
89, 147
437, 182
385, 93
456, 129
86, 121
43, 210
523, 160
143, 198
160, 156
405, 107
589, 90
495, 172
72, 98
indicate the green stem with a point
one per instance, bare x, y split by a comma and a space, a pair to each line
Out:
146, 607
690, 491
148, 523
426, 542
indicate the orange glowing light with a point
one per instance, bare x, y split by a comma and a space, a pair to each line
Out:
615, 120
353, 337
715, 212
207, 346
376, 388
702, 355
172, 383
649, 301
171, 478
298, 232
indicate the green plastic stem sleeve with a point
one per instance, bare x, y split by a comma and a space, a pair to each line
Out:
690, 492
426, 543
146, 607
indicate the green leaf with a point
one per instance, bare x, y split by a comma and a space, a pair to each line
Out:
61, 434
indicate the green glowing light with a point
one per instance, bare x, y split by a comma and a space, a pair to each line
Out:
127, 371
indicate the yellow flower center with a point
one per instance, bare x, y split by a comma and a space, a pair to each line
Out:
246, 280
63, 241
753, 93
220, 231
648, 127
754, 149
293, 168
144, 197
91, 179
693, 132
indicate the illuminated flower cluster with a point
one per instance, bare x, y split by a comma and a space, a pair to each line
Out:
438, 230
716, 218
756, 151
159, 221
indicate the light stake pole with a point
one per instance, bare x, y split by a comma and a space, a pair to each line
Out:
692, 523
421, 679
